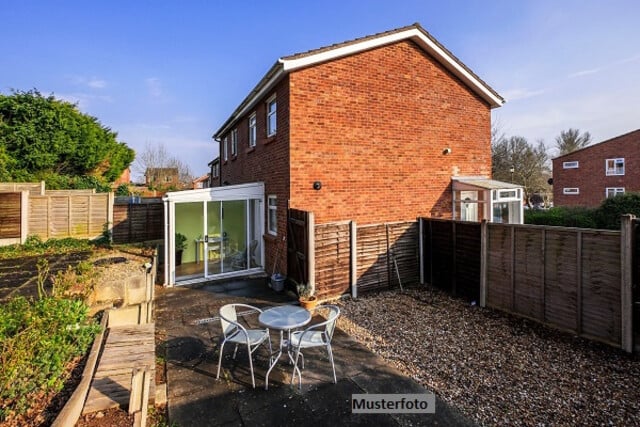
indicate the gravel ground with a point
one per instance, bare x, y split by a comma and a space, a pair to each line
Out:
496, 368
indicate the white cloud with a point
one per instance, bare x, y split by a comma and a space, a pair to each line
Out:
584, 73
83, 100
521, 93
154, 87
90, 82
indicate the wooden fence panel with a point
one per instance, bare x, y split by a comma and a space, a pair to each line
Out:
636, 283
529, 273
80, 216
138, 222
10, 211
442, 254
561, 271
467, 260
403, 245
332, 255
372, 270
499, 267
34, 188
601, 278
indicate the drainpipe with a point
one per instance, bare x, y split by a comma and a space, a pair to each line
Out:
219, 161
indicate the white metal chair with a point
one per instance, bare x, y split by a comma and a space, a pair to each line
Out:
317, 335
234, 332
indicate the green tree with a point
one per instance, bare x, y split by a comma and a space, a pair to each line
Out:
50, 139
516, 160
571, 140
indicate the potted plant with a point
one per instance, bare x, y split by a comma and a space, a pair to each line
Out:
181, 245
305, 296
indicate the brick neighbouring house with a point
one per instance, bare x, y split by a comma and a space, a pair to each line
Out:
588, 176
162, 178
371, 130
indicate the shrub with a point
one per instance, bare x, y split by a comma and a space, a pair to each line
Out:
37, 341
609, 213
562, 217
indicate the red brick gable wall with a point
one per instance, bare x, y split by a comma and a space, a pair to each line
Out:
268, 162
372, 128
591, 177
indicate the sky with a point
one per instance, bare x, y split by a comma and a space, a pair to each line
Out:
171, 72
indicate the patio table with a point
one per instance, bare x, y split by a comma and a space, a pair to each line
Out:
283, 318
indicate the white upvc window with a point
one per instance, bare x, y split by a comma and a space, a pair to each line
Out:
570, 190
225, 148
272, 219
614, 166
614, 191
252, 130
216, 172
234, 142
571, 165
272, 119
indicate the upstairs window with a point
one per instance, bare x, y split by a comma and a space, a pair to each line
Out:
272, 122
234, 142
570, 165
252, 130
571, 191
225, 148
614, 191
215, 171
614, 166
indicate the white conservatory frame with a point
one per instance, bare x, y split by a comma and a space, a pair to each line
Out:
493, 193
242, 192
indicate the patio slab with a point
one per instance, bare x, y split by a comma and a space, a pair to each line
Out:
196, 398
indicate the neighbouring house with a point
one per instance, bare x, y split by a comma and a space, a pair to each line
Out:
587, 176
384, 128
124, 178
214, 172
162, 177
201, 182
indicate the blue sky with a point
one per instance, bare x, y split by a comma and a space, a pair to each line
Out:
171, 72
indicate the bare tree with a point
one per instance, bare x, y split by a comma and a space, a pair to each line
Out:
157, 156
571, 140
516, 160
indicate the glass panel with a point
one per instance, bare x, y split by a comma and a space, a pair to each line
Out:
188, 222
501, 213
468, 207
214, 239
234, 240
255, 237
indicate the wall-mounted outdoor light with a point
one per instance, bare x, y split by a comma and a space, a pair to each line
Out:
446, 151
317, 185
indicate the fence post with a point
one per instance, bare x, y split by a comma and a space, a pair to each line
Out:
311, 250
626, 266
353, 244
421, 249
484, 260
24, 216
110, 202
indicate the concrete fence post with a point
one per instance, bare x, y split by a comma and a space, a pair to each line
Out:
353, 246
311, 250
626, 267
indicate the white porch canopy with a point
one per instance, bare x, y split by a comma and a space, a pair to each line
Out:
479, 198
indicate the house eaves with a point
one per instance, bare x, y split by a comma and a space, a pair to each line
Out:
414, 32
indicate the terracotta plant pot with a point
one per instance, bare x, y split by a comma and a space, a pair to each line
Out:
308, 303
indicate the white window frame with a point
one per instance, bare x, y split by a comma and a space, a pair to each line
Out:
574, 164
272, 205
225, 148
271, 130
614, 171
216, 172
571, 191
253, 134
234, 143
614, 191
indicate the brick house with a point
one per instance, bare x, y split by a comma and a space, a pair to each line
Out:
377, 129
162, 177
588, 176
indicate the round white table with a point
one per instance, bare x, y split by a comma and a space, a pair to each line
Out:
283, 318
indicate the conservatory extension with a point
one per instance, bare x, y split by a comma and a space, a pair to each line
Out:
213, 233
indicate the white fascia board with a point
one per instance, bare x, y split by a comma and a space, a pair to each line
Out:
254, 99
414, 34
254, 190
